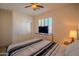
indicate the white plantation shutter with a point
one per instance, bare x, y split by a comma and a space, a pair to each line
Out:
46, 22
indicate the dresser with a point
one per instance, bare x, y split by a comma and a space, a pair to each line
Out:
44, 36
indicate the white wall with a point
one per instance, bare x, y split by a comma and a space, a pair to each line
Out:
78, 19
78, 13
22, 27
64, 20
14, 27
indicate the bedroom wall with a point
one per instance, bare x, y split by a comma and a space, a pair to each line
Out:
64, 20
22, 27
78, 14
5, 27
78, 21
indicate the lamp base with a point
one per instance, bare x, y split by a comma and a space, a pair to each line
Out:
72, 40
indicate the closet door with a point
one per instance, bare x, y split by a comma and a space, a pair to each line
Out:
5, 27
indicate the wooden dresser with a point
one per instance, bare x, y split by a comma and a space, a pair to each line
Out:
44, 36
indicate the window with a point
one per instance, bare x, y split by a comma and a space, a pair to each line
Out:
46, 22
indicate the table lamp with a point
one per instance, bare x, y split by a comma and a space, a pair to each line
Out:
73, 35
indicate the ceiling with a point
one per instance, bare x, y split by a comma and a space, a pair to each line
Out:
20, 7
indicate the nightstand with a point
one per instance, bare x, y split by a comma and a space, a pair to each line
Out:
67, 43
3, 51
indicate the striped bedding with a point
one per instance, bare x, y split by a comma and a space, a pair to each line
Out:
35, 47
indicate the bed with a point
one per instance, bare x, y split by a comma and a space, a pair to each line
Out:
73, 49
34, 47
39, 47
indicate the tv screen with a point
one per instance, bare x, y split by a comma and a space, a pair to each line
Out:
43, 29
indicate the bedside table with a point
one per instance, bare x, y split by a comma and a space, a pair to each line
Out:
3, 51
67, 43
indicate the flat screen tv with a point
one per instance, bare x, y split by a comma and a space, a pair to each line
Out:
43, 29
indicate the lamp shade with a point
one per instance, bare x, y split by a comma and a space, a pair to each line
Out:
34, 6
73, 34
